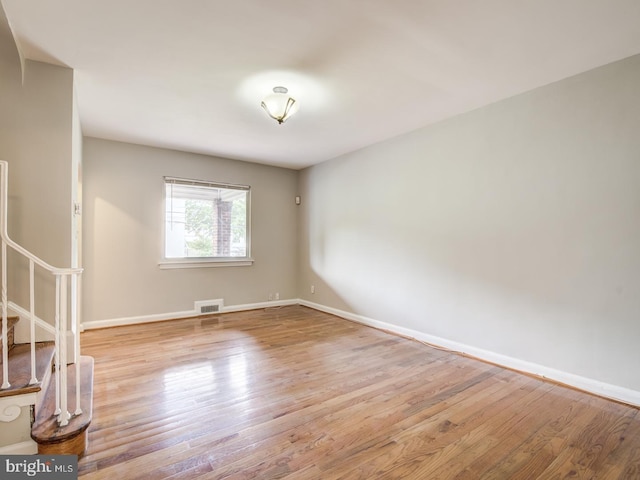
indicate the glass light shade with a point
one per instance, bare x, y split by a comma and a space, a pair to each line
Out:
279, 105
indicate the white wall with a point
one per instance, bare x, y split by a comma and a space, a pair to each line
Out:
514, 229
123, 192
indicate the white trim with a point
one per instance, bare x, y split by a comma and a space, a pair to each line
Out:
171, 263
23, 313
28, 447
256, 306
613, 392
7, 405
190, 262
117, 322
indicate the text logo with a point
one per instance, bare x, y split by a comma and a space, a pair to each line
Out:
51, 467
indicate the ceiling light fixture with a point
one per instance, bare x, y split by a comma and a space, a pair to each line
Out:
279, 105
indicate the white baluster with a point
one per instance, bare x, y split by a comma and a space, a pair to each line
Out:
57, 345
63, 418
5, 326
75, 326
32, 318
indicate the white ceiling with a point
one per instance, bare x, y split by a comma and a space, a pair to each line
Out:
190, 74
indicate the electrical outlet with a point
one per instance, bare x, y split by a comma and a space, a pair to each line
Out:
313, 289
277, 296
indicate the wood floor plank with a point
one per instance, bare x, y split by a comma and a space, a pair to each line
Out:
296, 393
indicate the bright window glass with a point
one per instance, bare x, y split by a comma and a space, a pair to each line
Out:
206, 220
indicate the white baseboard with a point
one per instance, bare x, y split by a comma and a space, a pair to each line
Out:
256, 306
118, 322
122, 321
614, 392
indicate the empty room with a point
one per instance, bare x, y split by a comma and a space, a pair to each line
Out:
321, 240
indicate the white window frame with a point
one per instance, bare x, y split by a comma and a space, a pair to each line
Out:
200, 262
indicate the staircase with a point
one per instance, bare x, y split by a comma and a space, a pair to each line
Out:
46, 387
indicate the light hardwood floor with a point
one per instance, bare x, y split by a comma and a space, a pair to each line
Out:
298, 394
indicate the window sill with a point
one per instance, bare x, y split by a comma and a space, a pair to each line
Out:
171, 263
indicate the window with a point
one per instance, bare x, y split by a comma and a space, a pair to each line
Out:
206, 223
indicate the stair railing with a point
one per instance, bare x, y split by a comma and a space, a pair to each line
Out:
66, 319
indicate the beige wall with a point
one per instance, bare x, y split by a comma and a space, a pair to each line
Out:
514, 228
36, 136
36, 124
123, 223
